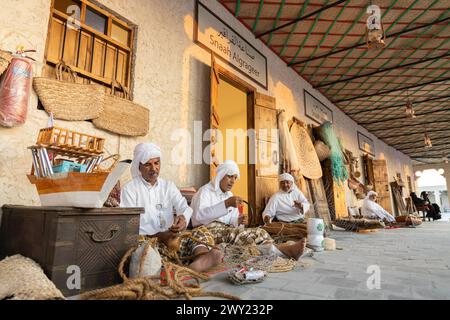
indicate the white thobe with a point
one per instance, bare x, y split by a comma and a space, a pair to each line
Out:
208, 205
371, 209
161, 201
281, 206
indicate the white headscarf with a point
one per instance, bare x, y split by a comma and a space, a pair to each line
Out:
228, 168
142, 154
288, 177
371, 193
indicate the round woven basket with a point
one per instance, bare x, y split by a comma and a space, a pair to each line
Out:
307, 157
322, 150
5, 60
23, 279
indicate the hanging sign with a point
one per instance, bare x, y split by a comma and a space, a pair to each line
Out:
215, 35
366, 144
316, 110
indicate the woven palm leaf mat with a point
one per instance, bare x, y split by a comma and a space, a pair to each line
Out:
359, 224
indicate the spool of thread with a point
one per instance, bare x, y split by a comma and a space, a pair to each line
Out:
329, 244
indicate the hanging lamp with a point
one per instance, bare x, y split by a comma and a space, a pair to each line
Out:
410, 113
375, 36
427, 141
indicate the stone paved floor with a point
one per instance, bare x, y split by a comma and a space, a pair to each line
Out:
413, 264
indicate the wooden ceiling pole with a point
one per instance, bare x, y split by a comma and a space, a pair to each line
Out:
413, 133
396, 128
331, 5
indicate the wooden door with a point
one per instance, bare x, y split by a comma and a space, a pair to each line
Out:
214, 116
381, 184
266, 155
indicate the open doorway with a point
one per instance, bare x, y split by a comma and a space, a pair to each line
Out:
433, 182
232, 115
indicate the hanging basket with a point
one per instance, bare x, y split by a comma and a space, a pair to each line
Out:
322, 150
5, 60
68, 100
123, 116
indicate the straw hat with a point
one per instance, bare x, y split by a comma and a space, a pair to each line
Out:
307, 157
322, 150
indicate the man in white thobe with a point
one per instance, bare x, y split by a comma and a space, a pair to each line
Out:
288, 204
215, 207
166, 210
373, 210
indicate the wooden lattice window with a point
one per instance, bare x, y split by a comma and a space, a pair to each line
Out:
96, 43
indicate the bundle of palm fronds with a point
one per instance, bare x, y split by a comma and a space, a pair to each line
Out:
408, 220
358, 224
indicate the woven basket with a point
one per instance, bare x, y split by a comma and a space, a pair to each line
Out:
122, 115
307, 157
68, 100
322, 150
23, 279
5, 60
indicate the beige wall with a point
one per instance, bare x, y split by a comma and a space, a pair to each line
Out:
171, 78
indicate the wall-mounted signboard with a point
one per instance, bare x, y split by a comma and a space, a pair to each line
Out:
366, 144
213, 34
316, 110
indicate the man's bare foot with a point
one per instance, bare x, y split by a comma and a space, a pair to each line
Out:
206, 259
295, 250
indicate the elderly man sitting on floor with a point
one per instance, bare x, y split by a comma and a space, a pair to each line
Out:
288, 204
215, 208
160, 199
372, 210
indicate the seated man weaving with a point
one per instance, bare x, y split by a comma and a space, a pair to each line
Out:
288, 204
372, 210
215, 207
160, 198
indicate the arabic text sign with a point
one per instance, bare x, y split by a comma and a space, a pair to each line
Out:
316, 110
218, 37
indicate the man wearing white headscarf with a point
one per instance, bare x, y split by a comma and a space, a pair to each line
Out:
288, 204
373, 210
215, 207
166, 210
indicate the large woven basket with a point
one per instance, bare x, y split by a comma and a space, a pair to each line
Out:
5, 60
122, 115
68, 100
23, 279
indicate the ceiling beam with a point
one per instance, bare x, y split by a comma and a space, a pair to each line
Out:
413, 133
397, 105
404, 117
433, 138
409, 125
446, 144
331, 5
420, 142
365, 43
393, 90
383, 70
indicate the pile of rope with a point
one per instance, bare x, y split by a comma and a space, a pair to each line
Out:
271, 263
175, 282
282, 232
237, 254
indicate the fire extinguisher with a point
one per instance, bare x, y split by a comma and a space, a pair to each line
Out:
15, 89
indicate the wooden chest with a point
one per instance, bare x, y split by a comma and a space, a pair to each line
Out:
61, 239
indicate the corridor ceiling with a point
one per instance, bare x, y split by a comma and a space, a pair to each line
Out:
324, 41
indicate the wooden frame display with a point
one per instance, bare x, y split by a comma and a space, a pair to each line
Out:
366, 144
315, 109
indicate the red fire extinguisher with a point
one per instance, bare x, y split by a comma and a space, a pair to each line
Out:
15, 88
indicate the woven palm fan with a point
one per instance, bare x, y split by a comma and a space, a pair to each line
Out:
306, 153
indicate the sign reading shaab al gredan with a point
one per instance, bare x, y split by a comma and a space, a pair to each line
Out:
215, 35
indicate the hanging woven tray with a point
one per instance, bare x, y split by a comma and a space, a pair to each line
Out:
306, 153
123, 116
68, 100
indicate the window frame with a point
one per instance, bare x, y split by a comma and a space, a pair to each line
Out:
111, 17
